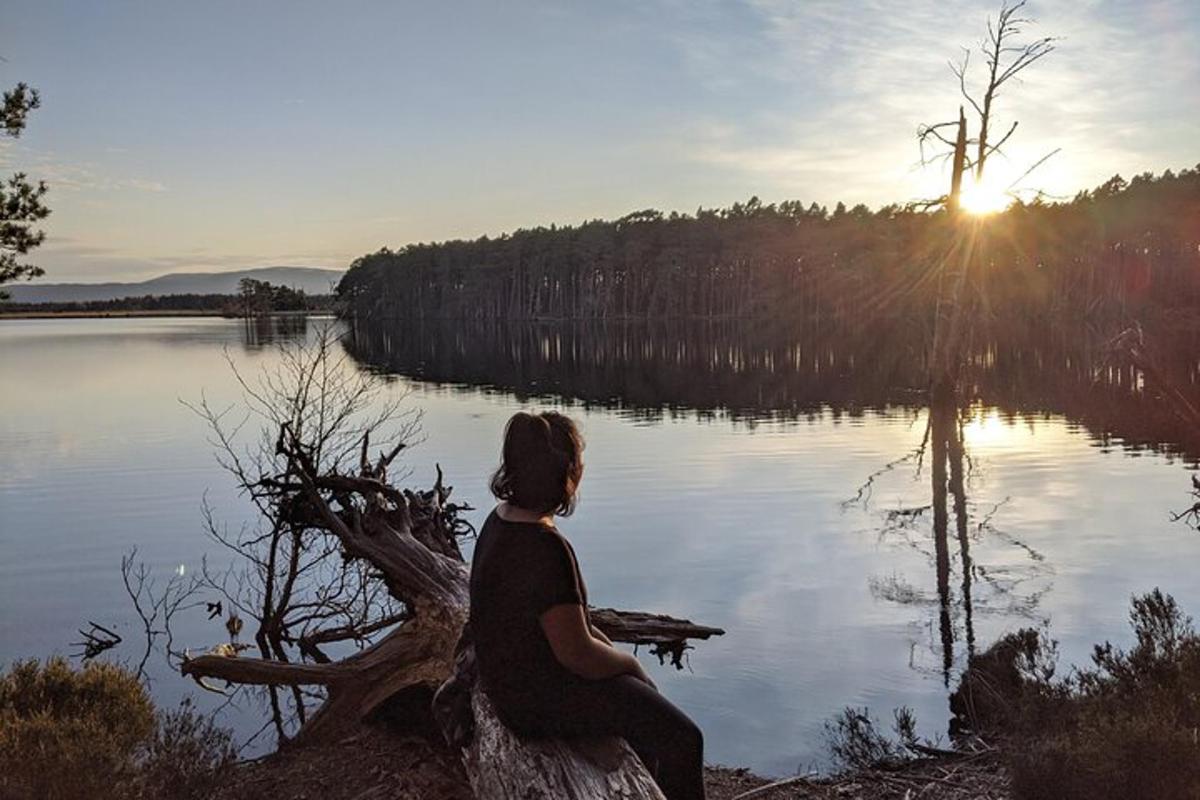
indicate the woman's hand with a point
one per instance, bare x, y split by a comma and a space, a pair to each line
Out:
571, 640
580, 650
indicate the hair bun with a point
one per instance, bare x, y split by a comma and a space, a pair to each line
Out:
542, 462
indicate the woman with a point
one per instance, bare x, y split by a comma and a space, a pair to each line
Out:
546, 670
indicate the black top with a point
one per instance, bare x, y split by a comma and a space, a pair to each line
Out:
519, 570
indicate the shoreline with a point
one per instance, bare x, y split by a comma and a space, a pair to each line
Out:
379, 761
130, 313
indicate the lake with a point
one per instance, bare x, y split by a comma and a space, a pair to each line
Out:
768, 485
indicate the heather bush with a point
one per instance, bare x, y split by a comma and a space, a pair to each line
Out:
184, 758
67, 733
1124, 727
855, 742
94, 732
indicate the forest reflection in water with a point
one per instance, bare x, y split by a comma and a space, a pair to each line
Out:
753, 372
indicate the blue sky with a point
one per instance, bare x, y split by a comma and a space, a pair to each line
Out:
220, 135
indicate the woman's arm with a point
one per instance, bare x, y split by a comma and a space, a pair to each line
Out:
566, 628
599, 634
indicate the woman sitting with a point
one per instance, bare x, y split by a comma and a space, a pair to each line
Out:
547, 671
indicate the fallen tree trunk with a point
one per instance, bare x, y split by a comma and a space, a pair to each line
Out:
501, 764
410, 539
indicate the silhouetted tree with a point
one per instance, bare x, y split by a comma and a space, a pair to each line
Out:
262, 297
1004, 59
967, 245
1123, 248
21, 203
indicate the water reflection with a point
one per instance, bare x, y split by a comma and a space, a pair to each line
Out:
264, 330
944, 441
755, 370
1009, 582
738, 523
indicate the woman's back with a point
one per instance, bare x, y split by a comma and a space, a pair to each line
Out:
546, 670
519, 570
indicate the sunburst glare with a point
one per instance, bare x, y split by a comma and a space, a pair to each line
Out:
984, 198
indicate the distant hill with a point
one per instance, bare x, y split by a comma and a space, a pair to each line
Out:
313, 280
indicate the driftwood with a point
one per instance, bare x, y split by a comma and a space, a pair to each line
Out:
410, 539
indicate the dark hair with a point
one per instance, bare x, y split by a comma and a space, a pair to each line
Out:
541, 464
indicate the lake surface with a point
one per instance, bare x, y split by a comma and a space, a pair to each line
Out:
723, 485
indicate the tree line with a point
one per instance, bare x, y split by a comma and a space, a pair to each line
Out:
1124, 246
263, 301
257, 297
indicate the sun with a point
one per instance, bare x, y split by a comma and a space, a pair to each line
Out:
984, 198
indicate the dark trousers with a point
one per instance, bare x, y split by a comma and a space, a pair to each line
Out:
665, 739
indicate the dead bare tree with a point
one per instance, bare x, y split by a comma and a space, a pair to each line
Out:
286, 578
1133, 344
1004, 60
358, 588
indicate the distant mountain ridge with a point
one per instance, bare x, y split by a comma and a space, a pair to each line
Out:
312, 280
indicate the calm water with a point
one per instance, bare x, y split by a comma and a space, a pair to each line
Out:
724, 493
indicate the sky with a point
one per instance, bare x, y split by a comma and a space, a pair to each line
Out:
184, 136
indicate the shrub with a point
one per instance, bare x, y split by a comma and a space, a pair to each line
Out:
856, 743
94, 732
67, 733
185, 757
1125, 727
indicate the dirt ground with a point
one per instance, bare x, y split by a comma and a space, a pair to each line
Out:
380, 764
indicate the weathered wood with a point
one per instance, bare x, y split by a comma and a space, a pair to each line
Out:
638, 627
502, 765
409, 538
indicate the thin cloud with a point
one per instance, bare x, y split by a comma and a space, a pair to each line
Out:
865, 80
72, 176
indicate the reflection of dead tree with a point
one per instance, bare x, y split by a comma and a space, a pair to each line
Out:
956, 610
956, 454
895, 589
863, 495
1191, 515
96, 640
985, 522
359, 588
944, 427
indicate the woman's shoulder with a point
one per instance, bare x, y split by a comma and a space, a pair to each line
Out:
533, 536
